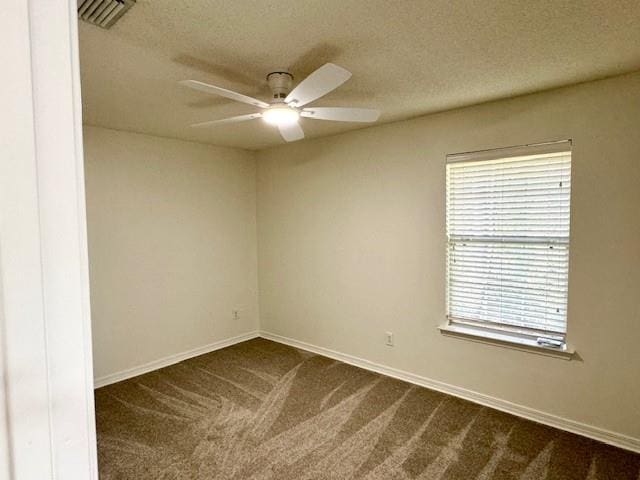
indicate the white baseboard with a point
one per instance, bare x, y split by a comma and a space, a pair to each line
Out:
602, 435
171, 359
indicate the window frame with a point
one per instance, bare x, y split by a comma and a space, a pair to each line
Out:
497, 333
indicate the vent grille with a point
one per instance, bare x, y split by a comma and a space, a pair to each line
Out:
103, 13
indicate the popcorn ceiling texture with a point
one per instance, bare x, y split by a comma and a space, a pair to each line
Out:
408, 58
262, 410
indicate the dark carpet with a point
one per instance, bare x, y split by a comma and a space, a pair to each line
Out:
262, 410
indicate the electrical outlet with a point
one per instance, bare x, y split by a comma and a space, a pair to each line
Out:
389, 338
236, 315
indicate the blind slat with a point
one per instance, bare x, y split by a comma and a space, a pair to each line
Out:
511, 304
513, 172
507, 286
536, 299
498, 310
498, 172
509, 185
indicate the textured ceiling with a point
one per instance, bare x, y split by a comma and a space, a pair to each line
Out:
408, 57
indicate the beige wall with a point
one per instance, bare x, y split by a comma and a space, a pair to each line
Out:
351, 235
172, 246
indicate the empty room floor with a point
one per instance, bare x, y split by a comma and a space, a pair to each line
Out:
263, 410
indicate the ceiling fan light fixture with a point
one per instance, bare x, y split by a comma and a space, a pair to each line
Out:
281, 116
286, 106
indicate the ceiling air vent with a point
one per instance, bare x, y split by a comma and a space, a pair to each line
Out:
103, 13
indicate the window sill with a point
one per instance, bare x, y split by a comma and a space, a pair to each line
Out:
505, 340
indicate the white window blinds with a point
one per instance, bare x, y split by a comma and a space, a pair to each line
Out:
508, 240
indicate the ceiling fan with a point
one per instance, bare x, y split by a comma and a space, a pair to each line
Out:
287, 105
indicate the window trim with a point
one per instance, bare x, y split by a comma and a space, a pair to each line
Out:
506, 340
485, 333
555, 146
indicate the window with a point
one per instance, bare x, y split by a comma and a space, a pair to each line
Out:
508, 243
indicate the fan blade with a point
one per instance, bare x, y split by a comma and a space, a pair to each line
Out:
241, 73
239, 118
291, 132
223, 92
342, 114
325, 79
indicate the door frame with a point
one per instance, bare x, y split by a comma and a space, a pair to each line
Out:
47, 424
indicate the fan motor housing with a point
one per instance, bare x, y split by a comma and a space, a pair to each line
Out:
280, 84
